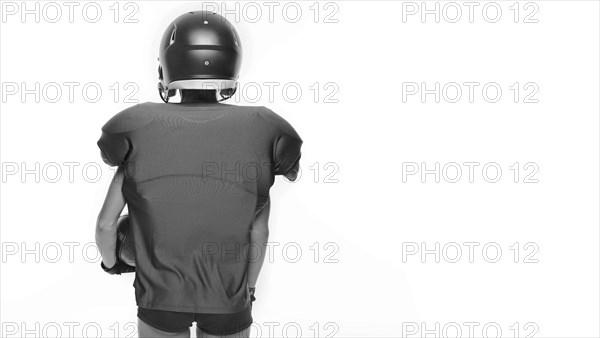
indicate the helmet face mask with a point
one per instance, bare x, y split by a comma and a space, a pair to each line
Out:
202, 51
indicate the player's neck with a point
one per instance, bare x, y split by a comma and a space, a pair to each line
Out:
198, 97
199, 101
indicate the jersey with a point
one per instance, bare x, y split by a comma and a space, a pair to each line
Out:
195, 177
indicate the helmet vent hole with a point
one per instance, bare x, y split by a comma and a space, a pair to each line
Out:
172, 37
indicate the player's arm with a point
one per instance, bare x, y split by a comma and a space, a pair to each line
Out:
259, 236
106, 225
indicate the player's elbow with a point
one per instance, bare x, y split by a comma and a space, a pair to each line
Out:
265, 232
104, 224
261, 231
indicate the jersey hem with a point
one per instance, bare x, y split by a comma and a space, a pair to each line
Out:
194, 309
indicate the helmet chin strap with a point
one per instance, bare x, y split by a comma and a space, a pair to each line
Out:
163, 92
225, 97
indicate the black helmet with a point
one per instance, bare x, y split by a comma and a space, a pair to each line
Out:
199, 50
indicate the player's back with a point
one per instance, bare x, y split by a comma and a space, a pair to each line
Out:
196, 174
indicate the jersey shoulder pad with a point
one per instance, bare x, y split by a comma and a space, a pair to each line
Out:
129, 119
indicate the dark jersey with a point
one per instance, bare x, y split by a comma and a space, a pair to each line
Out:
195, 177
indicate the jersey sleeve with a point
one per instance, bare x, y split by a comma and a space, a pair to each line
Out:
114, 141
287, 156
113, 148
287, 149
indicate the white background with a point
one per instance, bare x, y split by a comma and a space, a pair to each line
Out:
371, 215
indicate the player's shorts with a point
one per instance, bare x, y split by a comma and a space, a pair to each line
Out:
214, 324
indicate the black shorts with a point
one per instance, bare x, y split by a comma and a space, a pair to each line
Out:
214, 324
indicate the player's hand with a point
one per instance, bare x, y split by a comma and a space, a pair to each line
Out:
119, 268
252, 290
